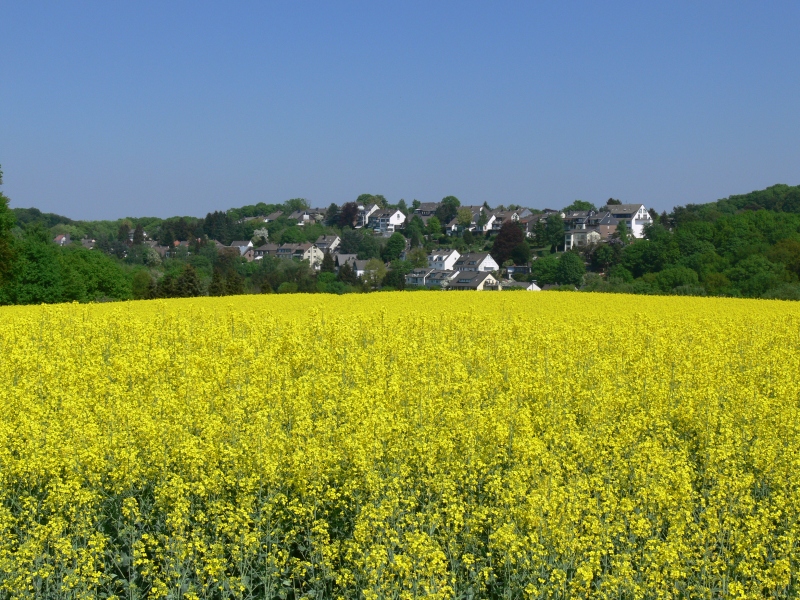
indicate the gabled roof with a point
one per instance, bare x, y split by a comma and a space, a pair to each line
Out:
344, 258
623, 209
468, 258
240, 243
472, 277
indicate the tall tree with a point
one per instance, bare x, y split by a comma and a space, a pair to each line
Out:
188, 284
570, 269
332, 214
124, 232
217, 285
447, 210
394, 247
348, 214
138, 235
509, 237
327, 266
555, 231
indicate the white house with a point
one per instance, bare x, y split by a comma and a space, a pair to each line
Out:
635, 216
364, 213
328, 243
387, 221
477, 281
444, 260
242, 246
477, 261
441, 278
418, 277
575, 238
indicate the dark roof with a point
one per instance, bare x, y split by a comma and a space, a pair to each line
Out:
619, 209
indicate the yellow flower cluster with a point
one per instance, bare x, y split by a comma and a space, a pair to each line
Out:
401, 445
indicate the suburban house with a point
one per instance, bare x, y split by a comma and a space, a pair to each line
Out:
635, 216
307, 251
444, 260
342, 259
266, 250
482, 220
89, 243
418, 277
300, 216
441, 278
328, 243
426, 209
604, 224
62, 239
501, 216
273, 216
476, 261
242, 246
364, 213
477, 281
518, 269
577, 219
575, 238
359, 267
387, 221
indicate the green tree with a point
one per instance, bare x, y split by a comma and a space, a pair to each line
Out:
142, 284
138, 235
188, 284
521, 254
570, 270
668, 279
328, 265
554, 229
464, 217
580, 205
374, 272
124, 232
395, 279
434, 226
621, 233
418, 258
7, 246
295, 204
234, 284
332, 215
447, 209
217, 285
543, 270
347, 274
603, 257
394, 247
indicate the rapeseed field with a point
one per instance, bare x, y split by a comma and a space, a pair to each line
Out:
401, 445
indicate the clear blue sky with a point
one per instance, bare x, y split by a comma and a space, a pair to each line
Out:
111, 109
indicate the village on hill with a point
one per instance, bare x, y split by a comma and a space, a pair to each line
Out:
446, 268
